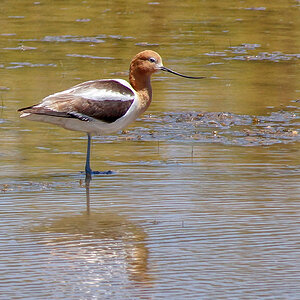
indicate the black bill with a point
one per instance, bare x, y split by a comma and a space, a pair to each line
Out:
173, 72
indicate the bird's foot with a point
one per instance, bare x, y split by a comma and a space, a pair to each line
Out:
89, 173
109, 172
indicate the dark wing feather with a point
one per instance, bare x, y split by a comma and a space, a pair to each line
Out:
106, 110
43, 111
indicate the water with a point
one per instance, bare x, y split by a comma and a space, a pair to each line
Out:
204, 199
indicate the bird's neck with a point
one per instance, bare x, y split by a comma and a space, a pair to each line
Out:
142, 85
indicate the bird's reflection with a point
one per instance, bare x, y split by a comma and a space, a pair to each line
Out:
87, 193
99, 237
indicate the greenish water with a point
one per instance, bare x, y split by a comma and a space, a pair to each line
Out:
204, 201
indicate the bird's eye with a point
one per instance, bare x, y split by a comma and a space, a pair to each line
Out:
152, 60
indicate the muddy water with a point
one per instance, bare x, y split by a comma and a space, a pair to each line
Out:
204, 199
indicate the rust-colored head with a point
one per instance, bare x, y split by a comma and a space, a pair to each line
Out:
146, 63
143, 65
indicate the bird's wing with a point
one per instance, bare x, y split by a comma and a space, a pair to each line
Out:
104, 100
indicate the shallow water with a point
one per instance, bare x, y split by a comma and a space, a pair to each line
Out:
204, 198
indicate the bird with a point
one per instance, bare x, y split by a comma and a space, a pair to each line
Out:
102, 106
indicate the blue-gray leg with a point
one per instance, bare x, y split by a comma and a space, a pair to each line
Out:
88, 170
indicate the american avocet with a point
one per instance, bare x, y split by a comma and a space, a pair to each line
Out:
102, 106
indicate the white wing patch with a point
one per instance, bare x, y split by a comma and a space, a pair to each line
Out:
103, 94
100, 94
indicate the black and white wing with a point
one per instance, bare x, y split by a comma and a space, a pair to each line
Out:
103, 100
